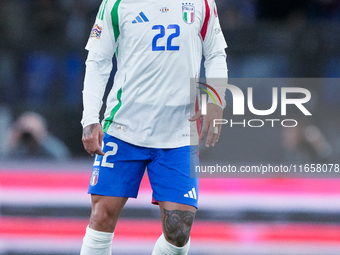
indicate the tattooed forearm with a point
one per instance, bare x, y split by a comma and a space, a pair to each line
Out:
177, 225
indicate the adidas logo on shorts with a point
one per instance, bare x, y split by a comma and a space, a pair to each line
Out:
191, 194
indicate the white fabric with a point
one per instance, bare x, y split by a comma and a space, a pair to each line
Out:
97, 74
163, 247
149, 104
215, 67
96, 243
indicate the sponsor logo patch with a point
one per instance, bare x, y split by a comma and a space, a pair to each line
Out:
217, 30
191, 194
141, 18
164, 9
121, 127
96, 32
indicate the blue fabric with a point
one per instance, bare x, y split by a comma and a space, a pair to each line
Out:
168, 169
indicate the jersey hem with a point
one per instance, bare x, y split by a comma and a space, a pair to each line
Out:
136, 142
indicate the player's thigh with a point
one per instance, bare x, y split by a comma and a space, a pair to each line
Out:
120, 171
105, 212
171, 175
177, 220
115, 177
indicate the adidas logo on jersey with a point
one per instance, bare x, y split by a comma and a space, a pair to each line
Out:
140, 18
191, 194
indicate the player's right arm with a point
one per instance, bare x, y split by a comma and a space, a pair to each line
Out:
97, 73
101, 46
92, 139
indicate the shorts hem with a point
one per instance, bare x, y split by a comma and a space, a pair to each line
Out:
110, 195
194, 204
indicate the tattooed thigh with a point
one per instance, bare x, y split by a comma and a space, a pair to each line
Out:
177, 225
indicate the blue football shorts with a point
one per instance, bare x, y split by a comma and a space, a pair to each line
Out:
119, 172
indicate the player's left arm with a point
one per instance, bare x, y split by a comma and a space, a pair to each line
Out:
208, 129
101, 45
215, 67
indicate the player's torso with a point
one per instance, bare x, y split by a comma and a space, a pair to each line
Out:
156, 26
159, 50
159, 32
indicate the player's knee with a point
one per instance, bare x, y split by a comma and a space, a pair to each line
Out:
180, 240
177, 226
102, 220
105, 212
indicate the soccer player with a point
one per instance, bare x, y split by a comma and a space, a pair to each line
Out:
147, 123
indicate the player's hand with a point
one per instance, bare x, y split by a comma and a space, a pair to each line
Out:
92, 139
213, 112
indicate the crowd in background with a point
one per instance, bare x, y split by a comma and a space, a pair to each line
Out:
42, 50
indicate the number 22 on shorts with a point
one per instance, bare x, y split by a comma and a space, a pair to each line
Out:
111, 152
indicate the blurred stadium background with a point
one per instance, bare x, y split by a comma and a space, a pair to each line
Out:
44, 208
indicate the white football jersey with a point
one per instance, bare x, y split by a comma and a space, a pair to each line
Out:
159, 47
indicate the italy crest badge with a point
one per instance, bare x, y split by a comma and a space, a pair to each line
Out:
188, 13
94, 177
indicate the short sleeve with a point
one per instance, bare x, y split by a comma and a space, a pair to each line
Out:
102, 40
211, 33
